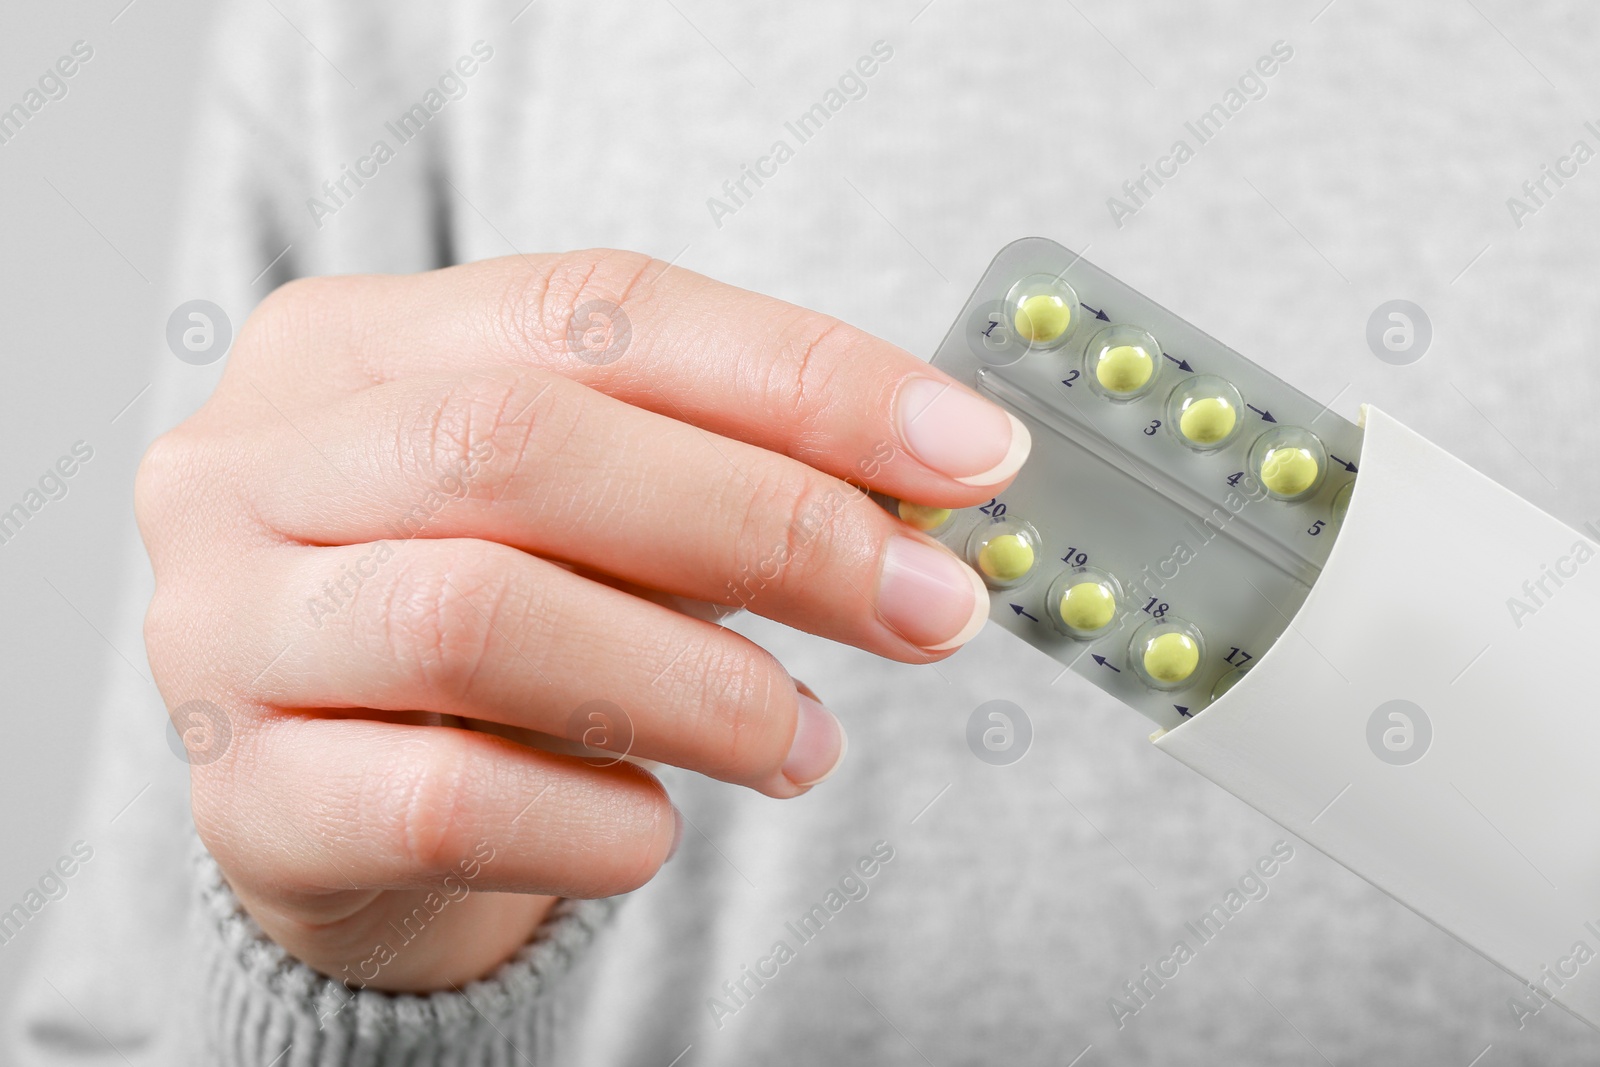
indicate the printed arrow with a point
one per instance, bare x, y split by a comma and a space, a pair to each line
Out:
1183, 364
1266, 416
1351, 467
1101, 315
1102, 661
1182, 710
1018, 609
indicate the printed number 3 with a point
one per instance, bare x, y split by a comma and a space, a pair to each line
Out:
1150, 431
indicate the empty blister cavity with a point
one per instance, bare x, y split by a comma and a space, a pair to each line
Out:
1166, 653
1122, 362
1005, 552
1043, 310
1290, 462
1204, 412
1341, 502
1228, 681
1083, 602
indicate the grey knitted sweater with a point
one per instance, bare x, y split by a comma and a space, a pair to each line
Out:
1013, 913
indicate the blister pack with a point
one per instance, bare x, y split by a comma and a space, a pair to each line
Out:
1343, 652
1179, 502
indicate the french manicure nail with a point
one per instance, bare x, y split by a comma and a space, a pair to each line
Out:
959, 434
929, 597
819, 745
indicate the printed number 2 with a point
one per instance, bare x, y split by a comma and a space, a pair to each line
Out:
1071, 377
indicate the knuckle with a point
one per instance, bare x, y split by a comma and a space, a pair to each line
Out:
166, 472
291, 298
212, 824
439, 620
162, 627
795, 381
641, 830
312, 301
742, 736
290, 309
792, 520
474, 436
541, 303
650, 857
431, 793
319, 310
220, 806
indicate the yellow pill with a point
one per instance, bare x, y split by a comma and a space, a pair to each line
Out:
1171, 657
1208, 420
1124, 369
1088, 606
1042, 318
1289, 471
1006, 558
922, 517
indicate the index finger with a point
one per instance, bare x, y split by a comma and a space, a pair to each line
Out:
734, 362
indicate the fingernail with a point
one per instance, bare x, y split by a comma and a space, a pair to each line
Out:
959, 434
819, 745
929, 597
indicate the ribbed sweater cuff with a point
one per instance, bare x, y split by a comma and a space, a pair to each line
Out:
261, 1007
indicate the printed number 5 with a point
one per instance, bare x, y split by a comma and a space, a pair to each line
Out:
1316, 527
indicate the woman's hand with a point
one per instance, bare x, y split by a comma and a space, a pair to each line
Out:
425, 519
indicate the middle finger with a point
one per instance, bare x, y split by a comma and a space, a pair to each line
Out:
538, 462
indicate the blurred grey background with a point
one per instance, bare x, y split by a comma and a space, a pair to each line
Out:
1377, 167
88, 191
